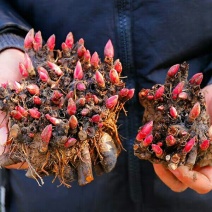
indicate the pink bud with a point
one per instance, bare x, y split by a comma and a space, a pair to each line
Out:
28, 63
51, 43
18, 87
87, 56
33, 89
22, 110
112, 102
81, 86
161, 107
144, 131
123, 92
114, 77
173, 70
157, 150
23, 70
173, 112
78, 72
109, 50
148, 140
96, 118
188, 147
37, 45
43, 74
170, 140
46, 133
81, 51
73, 122
64, 47
204, 145
37, 100
81, 101
183, 95
69, 40
56, 68
34, 113
95, 60
72, 108
130, 93
16, 114
100, 79
29, 39
85, 111
118, 66
196, 79
70, 142
95, 99
53, 120
195, 111
4, 85
81, 41
177, 90
159, 92
56, 95
70, 94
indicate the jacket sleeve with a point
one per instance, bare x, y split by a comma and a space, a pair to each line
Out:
12, 27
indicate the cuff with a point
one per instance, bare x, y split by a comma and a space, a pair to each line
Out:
10, 40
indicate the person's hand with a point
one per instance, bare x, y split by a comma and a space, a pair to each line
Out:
9, 72
198, 179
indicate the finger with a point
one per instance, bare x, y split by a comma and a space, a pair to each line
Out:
200, 181
169, 179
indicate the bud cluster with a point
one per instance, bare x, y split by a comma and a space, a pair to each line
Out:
176, 128
64, 108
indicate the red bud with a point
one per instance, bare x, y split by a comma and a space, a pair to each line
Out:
23, 70
73, 122
37, 100
109, 50
157, 150
148, 140
112, 101
46, 133
96, 118
173, 112
53, 120
33, 89
16, 114
195, 111
144, 131
29, 39
81, 51
204, 145
159, 92
34, 113
87, 56
78, 72
56, 68
70, 142
95, 60
177, 90
72, 108
100, 79
22, 110
173, 70
170, 140
69, 40
37, 45
196, 79
118, 66
188, 147
43, 74
51, 43
114, 77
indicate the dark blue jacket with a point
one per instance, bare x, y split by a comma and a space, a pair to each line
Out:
148, 36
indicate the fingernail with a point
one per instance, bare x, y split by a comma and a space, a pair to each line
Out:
3, 135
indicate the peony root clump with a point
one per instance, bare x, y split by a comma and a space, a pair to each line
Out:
63, 113
176, 128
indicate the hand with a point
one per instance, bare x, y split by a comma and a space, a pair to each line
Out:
198, 179
9, 61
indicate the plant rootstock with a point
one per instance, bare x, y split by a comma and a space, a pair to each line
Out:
176, 128
63, 113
